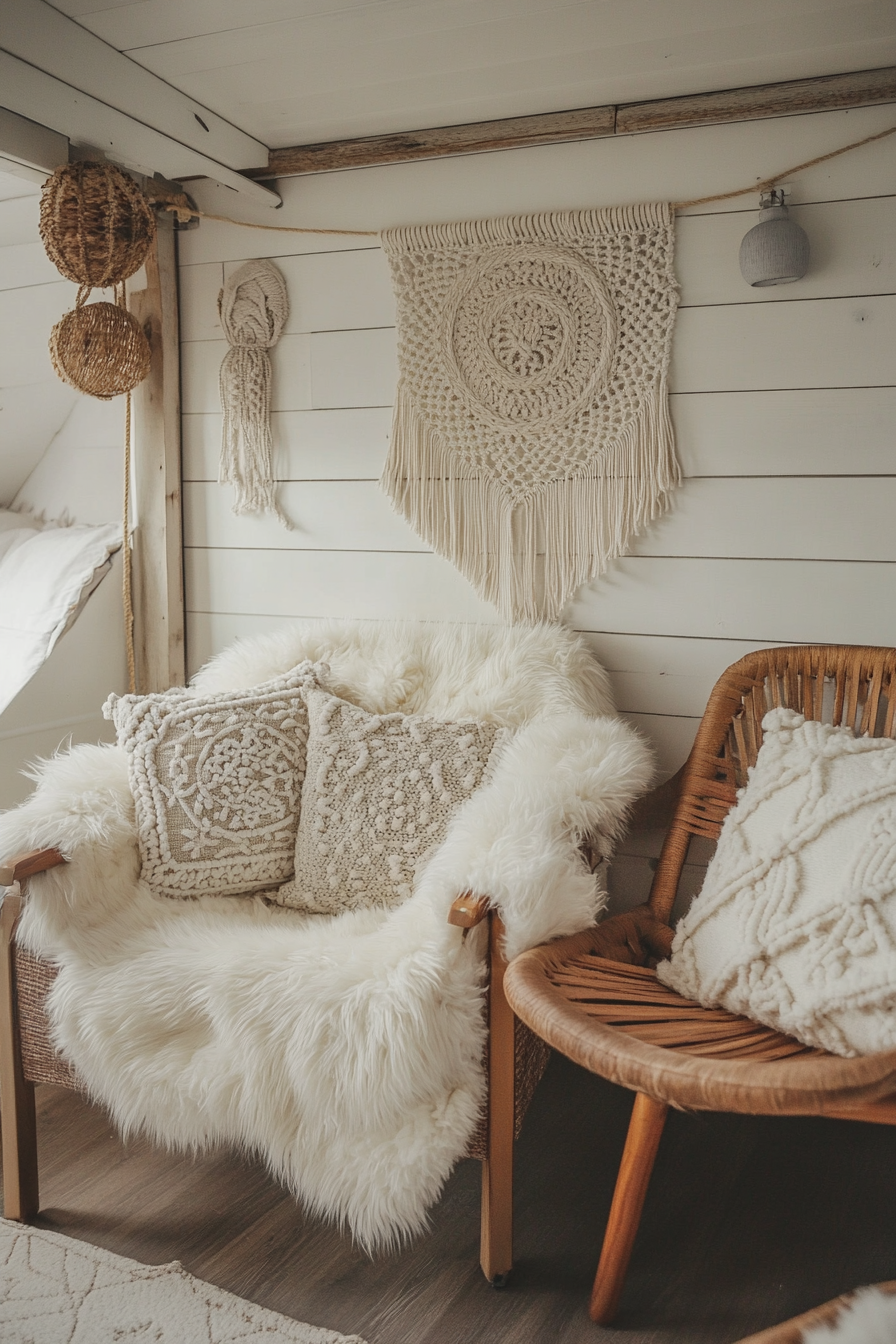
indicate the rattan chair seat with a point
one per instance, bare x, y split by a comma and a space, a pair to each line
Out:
621, 1022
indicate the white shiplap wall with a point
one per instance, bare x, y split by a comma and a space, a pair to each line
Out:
783, 401
34, 404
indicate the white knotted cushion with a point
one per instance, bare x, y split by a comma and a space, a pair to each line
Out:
379, 792
795, 924
217, 782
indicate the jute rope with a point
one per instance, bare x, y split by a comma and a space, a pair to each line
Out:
788, 172
184, 210
126, 588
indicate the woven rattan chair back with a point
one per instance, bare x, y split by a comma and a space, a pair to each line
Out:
848, 685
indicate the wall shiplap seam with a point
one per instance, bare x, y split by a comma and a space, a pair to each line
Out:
818, 298
745, 391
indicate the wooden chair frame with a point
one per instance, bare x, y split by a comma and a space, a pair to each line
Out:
619, 1022
516, 1060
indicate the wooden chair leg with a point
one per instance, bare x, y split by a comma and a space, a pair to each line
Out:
496, 1252
17, 1115
644, 1133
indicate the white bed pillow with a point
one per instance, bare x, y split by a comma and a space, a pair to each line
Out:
795, 925
46, 575
217, 783
379, 793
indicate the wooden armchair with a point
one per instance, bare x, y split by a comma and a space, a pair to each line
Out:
620, 1022
516, 1061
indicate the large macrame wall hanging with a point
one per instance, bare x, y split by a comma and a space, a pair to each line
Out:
531, 436
254, 307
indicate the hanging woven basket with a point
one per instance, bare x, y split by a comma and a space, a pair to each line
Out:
100, 349
96, 224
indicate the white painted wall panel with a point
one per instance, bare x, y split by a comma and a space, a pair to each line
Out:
27, 316
840, 431
784, 402
670, 736
766, 601
385, 585
788, 344
208, 632
330, 292
325, 516
199, 290
25, 264
794, 518
353, 368
662, 674
308, 445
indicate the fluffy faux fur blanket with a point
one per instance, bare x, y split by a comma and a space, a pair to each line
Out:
346, 1051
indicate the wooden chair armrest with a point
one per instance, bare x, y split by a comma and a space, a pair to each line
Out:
468, 910
26, 865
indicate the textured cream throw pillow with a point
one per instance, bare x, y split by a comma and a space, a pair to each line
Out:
217, 781
796, 923
380, 790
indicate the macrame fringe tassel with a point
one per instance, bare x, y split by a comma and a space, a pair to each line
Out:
529, 558
247, 448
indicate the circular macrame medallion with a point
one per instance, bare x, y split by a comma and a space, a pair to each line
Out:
529, 335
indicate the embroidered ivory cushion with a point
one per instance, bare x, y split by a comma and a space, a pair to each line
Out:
796, 923
217, 783
380, 790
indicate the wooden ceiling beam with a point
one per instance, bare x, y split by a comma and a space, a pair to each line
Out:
588, 123
862, 88
826, 93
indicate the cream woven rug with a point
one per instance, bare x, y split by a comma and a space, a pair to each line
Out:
531, 437
57, 1291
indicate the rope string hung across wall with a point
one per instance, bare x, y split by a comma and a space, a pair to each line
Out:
185, 210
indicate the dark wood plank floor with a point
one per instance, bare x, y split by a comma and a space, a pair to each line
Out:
748, 1221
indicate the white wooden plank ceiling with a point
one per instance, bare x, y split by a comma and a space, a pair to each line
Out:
302, 71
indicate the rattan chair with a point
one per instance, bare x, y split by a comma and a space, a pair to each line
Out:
621, 1023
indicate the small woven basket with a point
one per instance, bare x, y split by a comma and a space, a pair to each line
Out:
100, 349
96, 223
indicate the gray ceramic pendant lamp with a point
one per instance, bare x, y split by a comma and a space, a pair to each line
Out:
776, 250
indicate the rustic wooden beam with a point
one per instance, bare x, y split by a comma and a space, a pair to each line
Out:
824, 94
158, 536
587, 123
862, 88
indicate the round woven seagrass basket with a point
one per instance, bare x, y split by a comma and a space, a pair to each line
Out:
96, 223
100, 349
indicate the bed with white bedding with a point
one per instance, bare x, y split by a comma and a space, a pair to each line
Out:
61, 638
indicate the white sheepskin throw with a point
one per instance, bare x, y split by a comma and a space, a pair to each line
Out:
870, 1318
347, 1050
795, 924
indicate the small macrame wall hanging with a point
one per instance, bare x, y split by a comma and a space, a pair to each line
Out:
254, 307
97, 228
531, 435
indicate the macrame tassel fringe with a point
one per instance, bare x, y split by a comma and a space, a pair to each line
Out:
247, 449
529, 558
